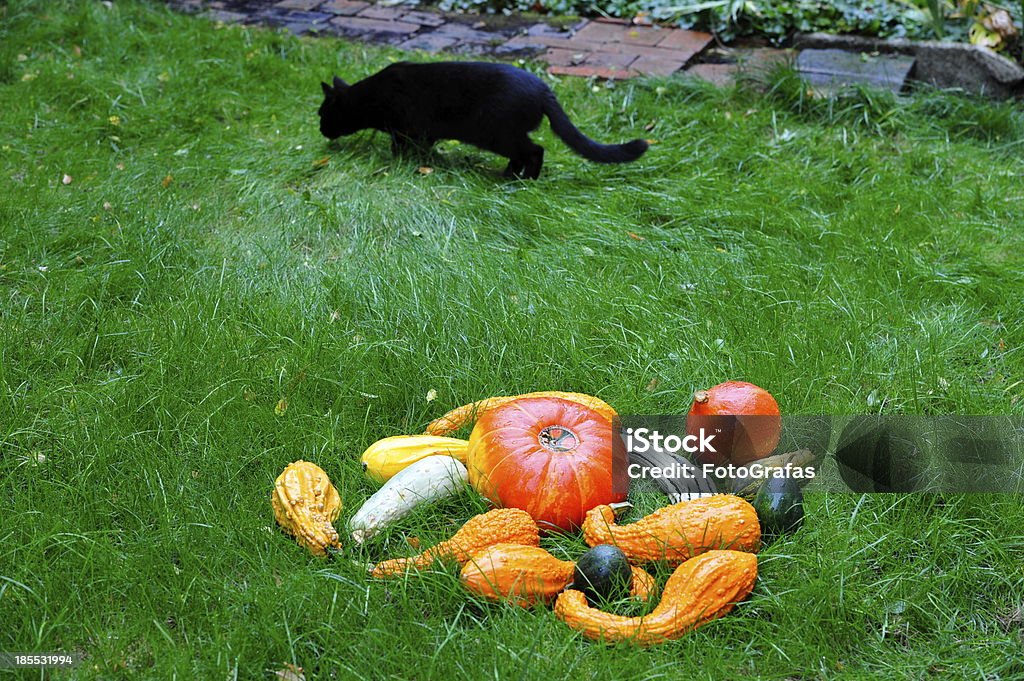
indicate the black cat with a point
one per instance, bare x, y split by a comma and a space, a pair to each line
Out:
491, 106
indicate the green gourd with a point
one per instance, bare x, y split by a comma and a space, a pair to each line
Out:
603, 574
780, 506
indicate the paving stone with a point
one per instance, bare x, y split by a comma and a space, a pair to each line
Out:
344, 7
226, 16
764, 58
301, 23
363, 26
592, 72
831, 70
382, 13
945, 64
467, 34
641, 50
615, 60
687, 43
304, 5
547, 30
568, 42
558, 56
424, 18
621, 33
518, 47
722, 75
428, 42
309, 17
657, 66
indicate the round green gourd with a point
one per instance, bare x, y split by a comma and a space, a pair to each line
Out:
780, 506
603, 574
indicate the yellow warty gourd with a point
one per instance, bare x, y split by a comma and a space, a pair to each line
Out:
305, 504
384, 458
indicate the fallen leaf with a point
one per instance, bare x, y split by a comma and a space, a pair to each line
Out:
107, 205
431, 395
281, 407
195, 475
634, 235
120, 166
424, 170
335, 316
290, 673
67, 179
166, 182
321, 162
652, 141
77, 51
115, 120
651, 385
413, 542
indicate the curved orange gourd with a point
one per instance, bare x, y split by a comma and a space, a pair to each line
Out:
678, 532
460, 416
700, 590
526, 575
500, 526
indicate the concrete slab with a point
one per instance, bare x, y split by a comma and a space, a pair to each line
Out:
832, 70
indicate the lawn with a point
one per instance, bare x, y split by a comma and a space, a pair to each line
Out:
196, 289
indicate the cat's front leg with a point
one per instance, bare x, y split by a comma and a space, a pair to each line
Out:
402, 144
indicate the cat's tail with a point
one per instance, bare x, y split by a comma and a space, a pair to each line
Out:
583, 145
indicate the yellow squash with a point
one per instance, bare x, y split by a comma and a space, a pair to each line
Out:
384, 458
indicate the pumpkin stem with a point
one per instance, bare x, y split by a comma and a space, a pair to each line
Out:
620, 508
701, 397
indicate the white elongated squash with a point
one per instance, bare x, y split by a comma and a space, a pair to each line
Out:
428, 480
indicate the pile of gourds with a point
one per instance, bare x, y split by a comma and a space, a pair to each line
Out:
545, 461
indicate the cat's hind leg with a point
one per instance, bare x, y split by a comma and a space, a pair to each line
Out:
532, 166
524, 158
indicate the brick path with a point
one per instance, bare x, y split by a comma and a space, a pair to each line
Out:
606, 48
602, 47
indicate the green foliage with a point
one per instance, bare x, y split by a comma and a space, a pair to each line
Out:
202, 263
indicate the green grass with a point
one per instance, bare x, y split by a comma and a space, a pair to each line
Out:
850, 256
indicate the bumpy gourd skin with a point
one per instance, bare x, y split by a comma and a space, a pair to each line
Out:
460, 416
305, 504
676, 533
500, 526
700, 590
523, 575
526, 575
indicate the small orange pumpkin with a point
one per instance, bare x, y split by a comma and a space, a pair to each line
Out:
744, 418
549, 456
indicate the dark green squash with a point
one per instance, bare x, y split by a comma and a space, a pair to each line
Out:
780, 506
603, 574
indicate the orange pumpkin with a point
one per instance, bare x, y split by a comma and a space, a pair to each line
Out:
744, 418
548, 456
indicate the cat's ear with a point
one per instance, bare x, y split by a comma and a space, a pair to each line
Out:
325, 87
339, 84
